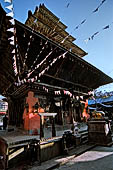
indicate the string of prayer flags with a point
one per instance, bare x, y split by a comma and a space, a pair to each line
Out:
99, 6
12, 39
39, 55
80, 24
66, 92
15, 65
54, 60
46, 69
64, 54
26, 54
30, 72
57, 92
92, 36
94, 11
83, 21
44, 88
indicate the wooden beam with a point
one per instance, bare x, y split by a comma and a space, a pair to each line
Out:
69, 82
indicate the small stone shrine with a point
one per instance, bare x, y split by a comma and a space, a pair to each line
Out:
99, 131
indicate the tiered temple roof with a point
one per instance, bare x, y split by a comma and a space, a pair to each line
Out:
46, 23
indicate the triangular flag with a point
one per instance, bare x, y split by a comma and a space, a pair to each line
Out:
83, 21
81, 97
10, 29
103, 1
76, 27
95, 10
13, 52
36, 77
10, 7
94, 35
77, 97
64, 54
24, 80
12, 21
28, 43
106, 27
67, 5
65, 39
12, 43
10, 1
12, 38
11, 14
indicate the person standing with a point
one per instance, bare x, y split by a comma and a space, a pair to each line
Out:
5, 122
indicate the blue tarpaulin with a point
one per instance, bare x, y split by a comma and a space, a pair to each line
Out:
102, 101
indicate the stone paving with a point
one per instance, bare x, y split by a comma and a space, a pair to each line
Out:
63, 159
98, 158
88, 157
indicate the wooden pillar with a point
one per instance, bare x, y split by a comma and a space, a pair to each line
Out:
62, 112
53, 127
41, 128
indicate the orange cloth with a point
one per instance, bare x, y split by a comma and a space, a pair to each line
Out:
32, 120
85, 113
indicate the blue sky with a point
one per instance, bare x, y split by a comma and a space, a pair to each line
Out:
100, 49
